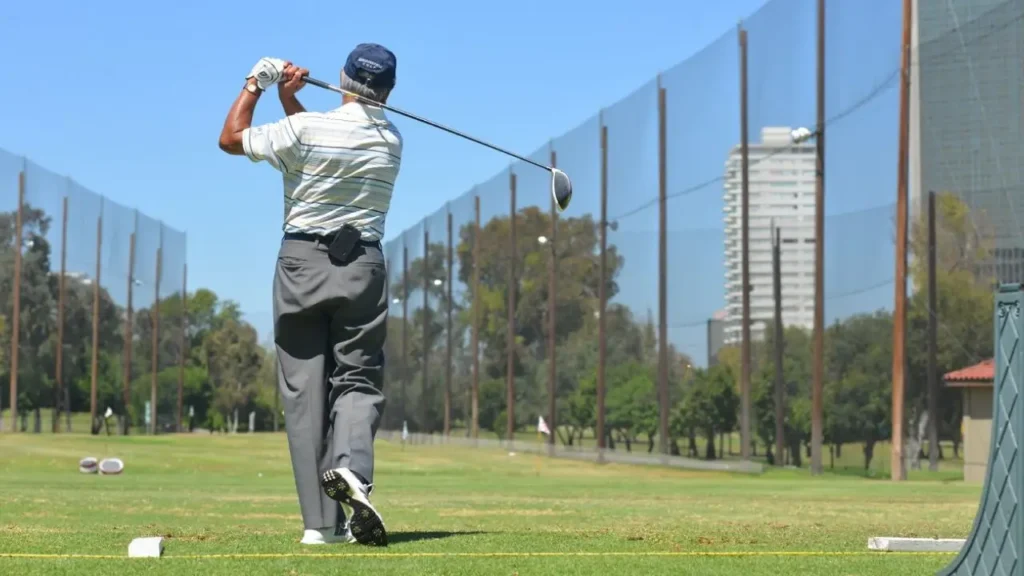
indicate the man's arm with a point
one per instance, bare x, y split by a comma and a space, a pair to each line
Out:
291, 105
266, 73
276, 143
286, 90
239, 119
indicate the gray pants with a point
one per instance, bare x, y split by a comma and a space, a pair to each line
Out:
330, 322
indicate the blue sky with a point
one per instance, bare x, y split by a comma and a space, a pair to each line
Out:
129, 98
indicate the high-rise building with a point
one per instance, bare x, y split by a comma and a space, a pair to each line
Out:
781, 187
716, 336
967, 129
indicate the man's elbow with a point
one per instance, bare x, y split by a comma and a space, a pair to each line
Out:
231, 143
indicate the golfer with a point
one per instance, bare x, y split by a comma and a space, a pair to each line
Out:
330, 283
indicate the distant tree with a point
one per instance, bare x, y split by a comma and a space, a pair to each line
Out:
964, 281
797, 377
632, 403
709, 406
858, 389
233, 360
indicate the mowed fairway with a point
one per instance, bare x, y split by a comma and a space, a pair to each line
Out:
226, 505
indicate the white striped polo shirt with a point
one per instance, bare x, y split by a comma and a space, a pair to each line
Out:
339, 167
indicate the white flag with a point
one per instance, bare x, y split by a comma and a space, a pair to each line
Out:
405, 431
542, 426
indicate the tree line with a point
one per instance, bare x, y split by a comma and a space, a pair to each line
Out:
226, 371
228, 374
704, 401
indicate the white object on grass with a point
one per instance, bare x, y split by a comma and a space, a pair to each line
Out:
150, 547
88, 465
889, 544
111, 466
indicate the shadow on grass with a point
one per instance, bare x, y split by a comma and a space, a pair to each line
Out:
406, 537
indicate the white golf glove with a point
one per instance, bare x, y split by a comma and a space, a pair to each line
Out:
267, 72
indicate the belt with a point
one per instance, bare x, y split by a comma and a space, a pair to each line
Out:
324, 238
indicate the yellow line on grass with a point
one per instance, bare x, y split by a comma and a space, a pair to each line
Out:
638, 554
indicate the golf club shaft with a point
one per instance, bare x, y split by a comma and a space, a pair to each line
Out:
326, 86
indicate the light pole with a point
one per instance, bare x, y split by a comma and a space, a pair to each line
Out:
799, 136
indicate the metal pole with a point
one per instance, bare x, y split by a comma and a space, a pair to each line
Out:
818, 362
602, 344
94, 377
424, 393
745, 438
474, 425
897, 463
663, 407
155, 361
129, 334
510, 385
448, 332
780, 343
59, 372
184, 344
933, 381
16, 312
552, 279
405, 329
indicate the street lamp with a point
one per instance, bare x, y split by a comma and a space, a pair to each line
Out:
542, 240
438, 282
801, 135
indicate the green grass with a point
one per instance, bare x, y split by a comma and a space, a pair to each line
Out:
453, 511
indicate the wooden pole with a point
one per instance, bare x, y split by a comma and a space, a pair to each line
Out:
59, 369
475, 336
129, 333
97, 283
818, 363
663, 399
745, 437
425, 391
155, 359
16, 305
183, 348
510, 385
933, 377
552, 351
897, 464
780, 343
602, 296
448, 333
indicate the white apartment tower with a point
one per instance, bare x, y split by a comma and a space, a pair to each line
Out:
781, 185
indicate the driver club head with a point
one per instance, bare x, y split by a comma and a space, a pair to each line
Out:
561, 189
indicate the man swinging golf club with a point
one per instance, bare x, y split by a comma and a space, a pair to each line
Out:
330, 283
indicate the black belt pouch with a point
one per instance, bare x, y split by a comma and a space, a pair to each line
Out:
344, 242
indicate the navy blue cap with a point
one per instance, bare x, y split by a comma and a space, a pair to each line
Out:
372, 65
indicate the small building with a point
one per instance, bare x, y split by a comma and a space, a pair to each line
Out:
976, 383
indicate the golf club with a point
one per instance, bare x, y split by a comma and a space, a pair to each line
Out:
561, 186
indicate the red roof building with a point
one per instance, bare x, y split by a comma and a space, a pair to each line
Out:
981, 374
975, 383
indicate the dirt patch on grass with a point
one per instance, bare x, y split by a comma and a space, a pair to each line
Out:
15, 529
258, 516
254, 498
473, 513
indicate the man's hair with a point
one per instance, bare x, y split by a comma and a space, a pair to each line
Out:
375, 94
